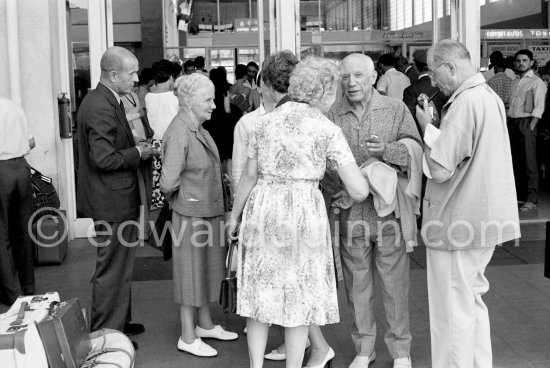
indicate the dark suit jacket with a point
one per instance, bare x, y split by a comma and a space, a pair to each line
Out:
413, 74
423, 85
108, 160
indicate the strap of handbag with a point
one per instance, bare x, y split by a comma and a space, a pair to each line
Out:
232, 246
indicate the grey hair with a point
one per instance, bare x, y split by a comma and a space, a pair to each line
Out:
312, 79
448, 50
186, 86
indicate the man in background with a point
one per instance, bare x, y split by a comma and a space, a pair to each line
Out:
409, 69
527, 99
423, 86
392, 83
189, 67
501, 82
16, 248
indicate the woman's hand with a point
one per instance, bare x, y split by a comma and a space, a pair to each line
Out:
231, 230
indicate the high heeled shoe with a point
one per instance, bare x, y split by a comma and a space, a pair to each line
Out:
327, 362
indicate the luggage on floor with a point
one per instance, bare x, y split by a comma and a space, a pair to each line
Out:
110, 348
50, 240
65, 335
20, 343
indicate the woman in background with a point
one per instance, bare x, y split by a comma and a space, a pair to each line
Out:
161, 105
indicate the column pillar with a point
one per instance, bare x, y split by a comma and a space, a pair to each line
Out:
469, 29
151, 32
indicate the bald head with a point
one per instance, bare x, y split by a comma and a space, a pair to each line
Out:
358, 76
114, 59
361, 60
119, 69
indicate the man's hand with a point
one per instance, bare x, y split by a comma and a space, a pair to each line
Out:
342, 200
376, 145
533, 123
423, 115
147, 150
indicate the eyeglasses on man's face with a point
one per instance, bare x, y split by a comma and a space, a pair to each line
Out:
431, 73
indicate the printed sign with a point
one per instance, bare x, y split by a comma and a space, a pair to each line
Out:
516, 33
506, 49
541, 53
246, 25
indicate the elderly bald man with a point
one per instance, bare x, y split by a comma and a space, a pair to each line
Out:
109, 166
373, 124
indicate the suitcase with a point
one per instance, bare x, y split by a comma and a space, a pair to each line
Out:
50, 238
110, 348
65, 335
20, 345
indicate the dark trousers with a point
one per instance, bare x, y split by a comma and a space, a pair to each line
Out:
112, 280
16, 249
523, 142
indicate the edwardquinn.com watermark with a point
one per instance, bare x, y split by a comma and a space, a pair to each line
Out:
280, 233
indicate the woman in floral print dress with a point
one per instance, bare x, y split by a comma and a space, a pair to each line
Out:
286, 269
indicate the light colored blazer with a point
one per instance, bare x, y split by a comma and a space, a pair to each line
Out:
191, 177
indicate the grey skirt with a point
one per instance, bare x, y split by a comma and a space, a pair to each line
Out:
198, 259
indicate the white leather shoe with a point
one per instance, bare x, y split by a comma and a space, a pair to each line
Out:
275, 355
217, 333
326, 362
402, 363
362, 361
198, 348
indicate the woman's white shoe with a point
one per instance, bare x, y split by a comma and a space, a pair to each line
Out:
327, 361
275, 355
217, 333
198, 348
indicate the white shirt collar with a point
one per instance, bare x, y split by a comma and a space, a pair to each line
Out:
117, 96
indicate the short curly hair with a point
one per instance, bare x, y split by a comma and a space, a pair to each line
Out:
276, 70
312, 79
187, 85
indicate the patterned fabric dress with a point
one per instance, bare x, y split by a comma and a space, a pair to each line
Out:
158, 196
286, 270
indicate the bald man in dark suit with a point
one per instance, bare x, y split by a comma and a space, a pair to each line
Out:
109, 181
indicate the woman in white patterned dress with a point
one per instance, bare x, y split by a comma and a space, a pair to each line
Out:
286, 269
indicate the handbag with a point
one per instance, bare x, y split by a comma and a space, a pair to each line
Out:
228, 289
43, 194
162, 239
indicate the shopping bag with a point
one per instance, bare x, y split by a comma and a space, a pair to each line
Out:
228, 289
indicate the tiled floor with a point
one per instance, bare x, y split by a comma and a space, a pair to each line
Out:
518, 301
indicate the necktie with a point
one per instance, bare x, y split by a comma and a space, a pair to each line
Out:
122, 106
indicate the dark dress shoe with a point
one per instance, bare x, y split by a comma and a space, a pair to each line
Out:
135, 345
132, 329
